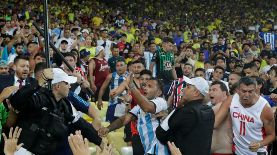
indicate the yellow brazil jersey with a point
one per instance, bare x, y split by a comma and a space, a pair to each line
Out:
198, 64
130, 37
71, 16
128, 60
97, 21
90, 49
263, 63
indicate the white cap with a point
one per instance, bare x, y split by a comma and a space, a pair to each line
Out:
200, 83
98, 50
60, 75
85, 30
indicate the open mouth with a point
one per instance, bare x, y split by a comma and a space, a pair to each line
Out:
25, 74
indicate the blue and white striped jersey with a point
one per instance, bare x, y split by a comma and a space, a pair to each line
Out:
147, 124
115, 82
268, 38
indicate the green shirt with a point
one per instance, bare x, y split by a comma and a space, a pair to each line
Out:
3, 116
165, 63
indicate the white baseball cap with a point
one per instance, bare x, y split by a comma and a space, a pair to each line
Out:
60, 75
200, 83
85, 30
98, 50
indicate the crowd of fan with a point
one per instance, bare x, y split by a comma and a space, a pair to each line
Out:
216, 40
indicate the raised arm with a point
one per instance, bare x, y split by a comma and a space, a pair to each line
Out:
223, 112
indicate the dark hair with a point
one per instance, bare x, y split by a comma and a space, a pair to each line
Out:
201, 70
146, 71
247, 81
273, 68
188, 64
129, 64
114, 46
40, 66
124, 35
183, 61
138, 61
18, 44
69, 54
41, 54
219, 67
150, 43
22, 57
120, 60
32, 42
259, 80
160, 84
222, 86
220, 58
249, 65
168, 40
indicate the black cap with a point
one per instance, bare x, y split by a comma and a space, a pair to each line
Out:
64, 41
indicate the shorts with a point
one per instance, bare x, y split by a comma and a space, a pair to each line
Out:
110, 113
137, 145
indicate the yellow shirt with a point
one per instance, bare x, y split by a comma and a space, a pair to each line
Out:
90, 49
130, 37
71, 17
198, 64
27, 15
263, 63
128, 60
158, 41
97, 21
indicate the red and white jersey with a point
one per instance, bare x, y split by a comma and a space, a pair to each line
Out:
247, 125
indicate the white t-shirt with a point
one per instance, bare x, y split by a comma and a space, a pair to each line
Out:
108, 46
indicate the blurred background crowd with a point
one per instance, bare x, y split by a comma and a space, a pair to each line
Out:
234, 36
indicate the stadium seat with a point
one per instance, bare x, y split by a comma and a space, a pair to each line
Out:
127, 150
116, 139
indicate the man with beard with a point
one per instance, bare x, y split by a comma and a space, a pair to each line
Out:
149, 103
20, 78
234, 78
19, 47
